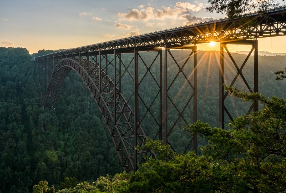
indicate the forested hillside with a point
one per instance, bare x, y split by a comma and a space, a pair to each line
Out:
71, 140
38, 144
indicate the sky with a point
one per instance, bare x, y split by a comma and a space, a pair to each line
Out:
63, 24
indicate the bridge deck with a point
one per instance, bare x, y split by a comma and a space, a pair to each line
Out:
250, 26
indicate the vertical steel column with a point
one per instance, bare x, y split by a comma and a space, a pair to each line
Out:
53, 64
161, 98
87, 58
57, 62
100, 73
115, 92
96, 62
46, 77
136, 105
119, 72
42, 74
221, 87
79, 58
195, 108
48, 64
165, 96
255, 45
106, 64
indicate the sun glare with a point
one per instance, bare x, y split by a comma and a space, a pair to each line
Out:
212, 44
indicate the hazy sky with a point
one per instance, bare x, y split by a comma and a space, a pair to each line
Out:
62, 24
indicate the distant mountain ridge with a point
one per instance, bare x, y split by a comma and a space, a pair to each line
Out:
261, 53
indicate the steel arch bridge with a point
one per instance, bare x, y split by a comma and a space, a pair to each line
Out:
104, 67
113, 107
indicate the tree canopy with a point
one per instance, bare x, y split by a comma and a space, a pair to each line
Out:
234, 8
250, 156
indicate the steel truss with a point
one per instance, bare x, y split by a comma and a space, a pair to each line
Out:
103, 73
222, 94
122, 116
178, 114
250, 26
103, 67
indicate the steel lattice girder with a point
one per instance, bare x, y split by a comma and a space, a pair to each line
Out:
255, 25
222, 94
169, 100
123, 123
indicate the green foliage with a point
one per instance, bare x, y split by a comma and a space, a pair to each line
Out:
68, 183
251, 153
238, 7
38, 144
247, 157
280, 74
83, 187
171, 172
104, 184
42, 52
52, 156
43, 187
118, 183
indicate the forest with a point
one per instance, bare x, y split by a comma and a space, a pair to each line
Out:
69, 143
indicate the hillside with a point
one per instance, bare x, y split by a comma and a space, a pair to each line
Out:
71, 139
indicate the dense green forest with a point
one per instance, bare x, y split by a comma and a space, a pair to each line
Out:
71, 140
41, 144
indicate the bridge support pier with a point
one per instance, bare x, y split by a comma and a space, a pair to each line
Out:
222, 93
161, 97
45, 76
167, 97
136, 106
100, 73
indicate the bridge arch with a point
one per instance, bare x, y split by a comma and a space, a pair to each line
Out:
120, 128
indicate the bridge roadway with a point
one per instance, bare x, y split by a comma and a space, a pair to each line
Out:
101, 67
256, 25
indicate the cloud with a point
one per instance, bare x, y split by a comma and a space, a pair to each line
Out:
109, 36
150, 24
189, 6
132, 33
5, 19
168, 12
161, 23
85, 14
7, 43
188, 19
120, 25
135, 14
149, 13
97, 19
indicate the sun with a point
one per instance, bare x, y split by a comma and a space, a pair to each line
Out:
212, 44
